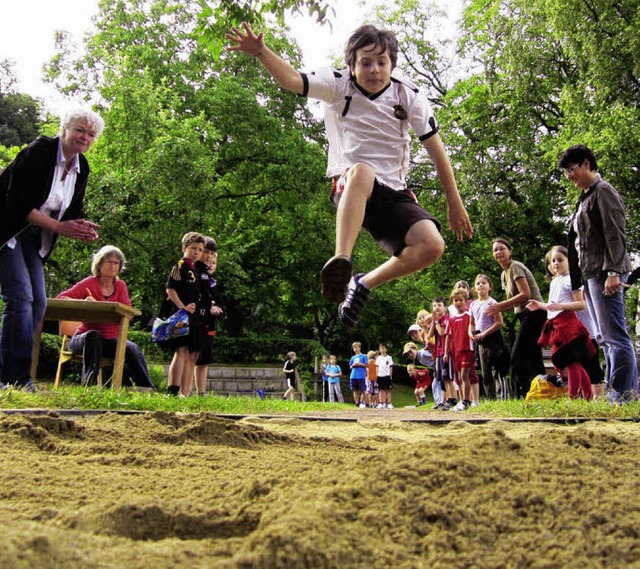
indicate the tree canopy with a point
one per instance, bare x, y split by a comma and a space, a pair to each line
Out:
200, 139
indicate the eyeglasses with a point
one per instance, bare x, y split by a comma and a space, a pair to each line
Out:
568, 171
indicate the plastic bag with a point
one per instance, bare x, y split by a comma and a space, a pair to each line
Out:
542, 388
176, 325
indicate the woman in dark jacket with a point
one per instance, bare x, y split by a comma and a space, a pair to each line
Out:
41, 197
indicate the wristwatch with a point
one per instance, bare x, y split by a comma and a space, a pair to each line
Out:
612, 274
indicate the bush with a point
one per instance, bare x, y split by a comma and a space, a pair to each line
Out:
265, 350
49, 354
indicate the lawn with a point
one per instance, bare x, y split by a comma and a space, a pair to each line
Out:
93, 398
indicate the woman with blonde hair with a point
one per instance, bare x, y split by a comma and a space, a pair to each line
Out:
94, 340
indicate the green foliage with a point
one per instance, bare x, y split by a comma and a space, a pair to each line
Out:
215, 19
19, 113
550, 75
266, 350
201, 139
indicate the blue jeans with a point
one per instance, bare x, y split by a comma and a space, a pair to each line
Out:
23, 294
607, 313
92, 346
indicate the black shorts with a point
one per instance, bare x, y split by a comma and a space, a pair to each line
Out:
384, 382
390, 214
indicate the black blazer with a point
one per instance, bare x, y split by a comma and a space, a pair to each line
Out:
25, 185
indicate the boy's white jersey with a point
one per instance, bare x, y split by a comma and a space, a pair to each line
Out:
384, 365
367, 128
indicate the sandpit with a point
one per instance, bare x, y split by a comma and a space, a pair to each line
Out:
165, 490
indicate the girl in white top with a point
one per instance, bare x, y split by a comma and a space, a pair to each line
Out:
564, 332
482, 325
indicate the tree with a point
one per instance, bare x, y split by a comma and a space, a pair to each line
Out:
19, 113
551, 74
197, 143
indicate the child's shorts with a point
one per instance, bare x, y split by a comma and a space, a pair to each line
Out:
357, 384
384, 382
444, 370
464, 359
389, 214
372, 387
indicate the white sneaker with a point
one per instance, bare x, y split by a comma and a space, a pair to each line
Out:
461, 406
362, 406
380, 406
389, 406
474, 404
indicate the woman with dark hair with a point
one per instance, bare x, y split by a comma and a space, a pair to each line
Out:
520, 287
41, 197
94, 340
598, 259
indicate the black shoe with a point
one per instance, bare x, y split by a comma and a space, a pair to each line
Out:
357, 296
449, 404
334, 277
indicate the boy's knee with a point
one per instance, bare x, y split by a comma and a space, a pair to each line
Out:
431, 251
361, 177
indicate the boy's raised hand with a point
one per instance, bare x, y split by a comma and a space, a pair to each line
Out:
246, 42
459, 221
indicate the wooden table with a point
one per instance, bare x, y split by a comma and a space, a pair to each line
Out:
90, 311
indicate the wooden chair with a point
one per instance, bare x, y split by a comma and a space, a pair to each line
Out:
67, 330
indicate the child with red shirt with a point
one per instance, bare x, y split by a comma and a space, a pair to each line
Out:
444, 366
459, 343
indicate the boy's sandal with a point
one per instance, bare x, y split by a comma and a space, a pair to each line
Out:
335, 276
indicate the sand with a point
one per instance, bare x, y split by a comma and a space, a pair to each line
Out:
164, 490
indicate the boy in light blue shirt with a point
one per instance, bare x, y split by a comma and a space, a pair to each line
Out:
358, 365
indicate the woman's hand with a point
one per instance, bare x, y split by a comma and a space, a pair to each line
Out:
191, 308
537, 305
493, 309
612, 285
81, 229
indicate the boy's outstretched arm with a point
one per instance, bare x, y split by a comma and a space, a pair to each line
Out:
459, 221
247, 42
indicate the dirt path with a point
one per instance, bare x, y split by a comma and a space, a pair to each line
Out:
163, 490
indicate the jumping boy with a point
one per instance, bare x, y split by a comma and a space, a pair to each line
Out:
368, 114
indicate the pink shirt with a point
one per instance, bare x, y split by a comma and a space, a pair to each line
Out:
92, 284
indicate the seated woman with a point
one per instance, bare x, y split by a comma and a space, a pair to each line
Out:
94, 340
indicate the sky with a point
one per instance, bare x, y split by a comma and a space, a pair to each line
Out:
29, 40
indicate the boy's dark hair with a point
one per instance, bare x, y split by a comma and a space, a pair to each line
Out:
210, 244
383, 40
577, 155
192, 237
441, 300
